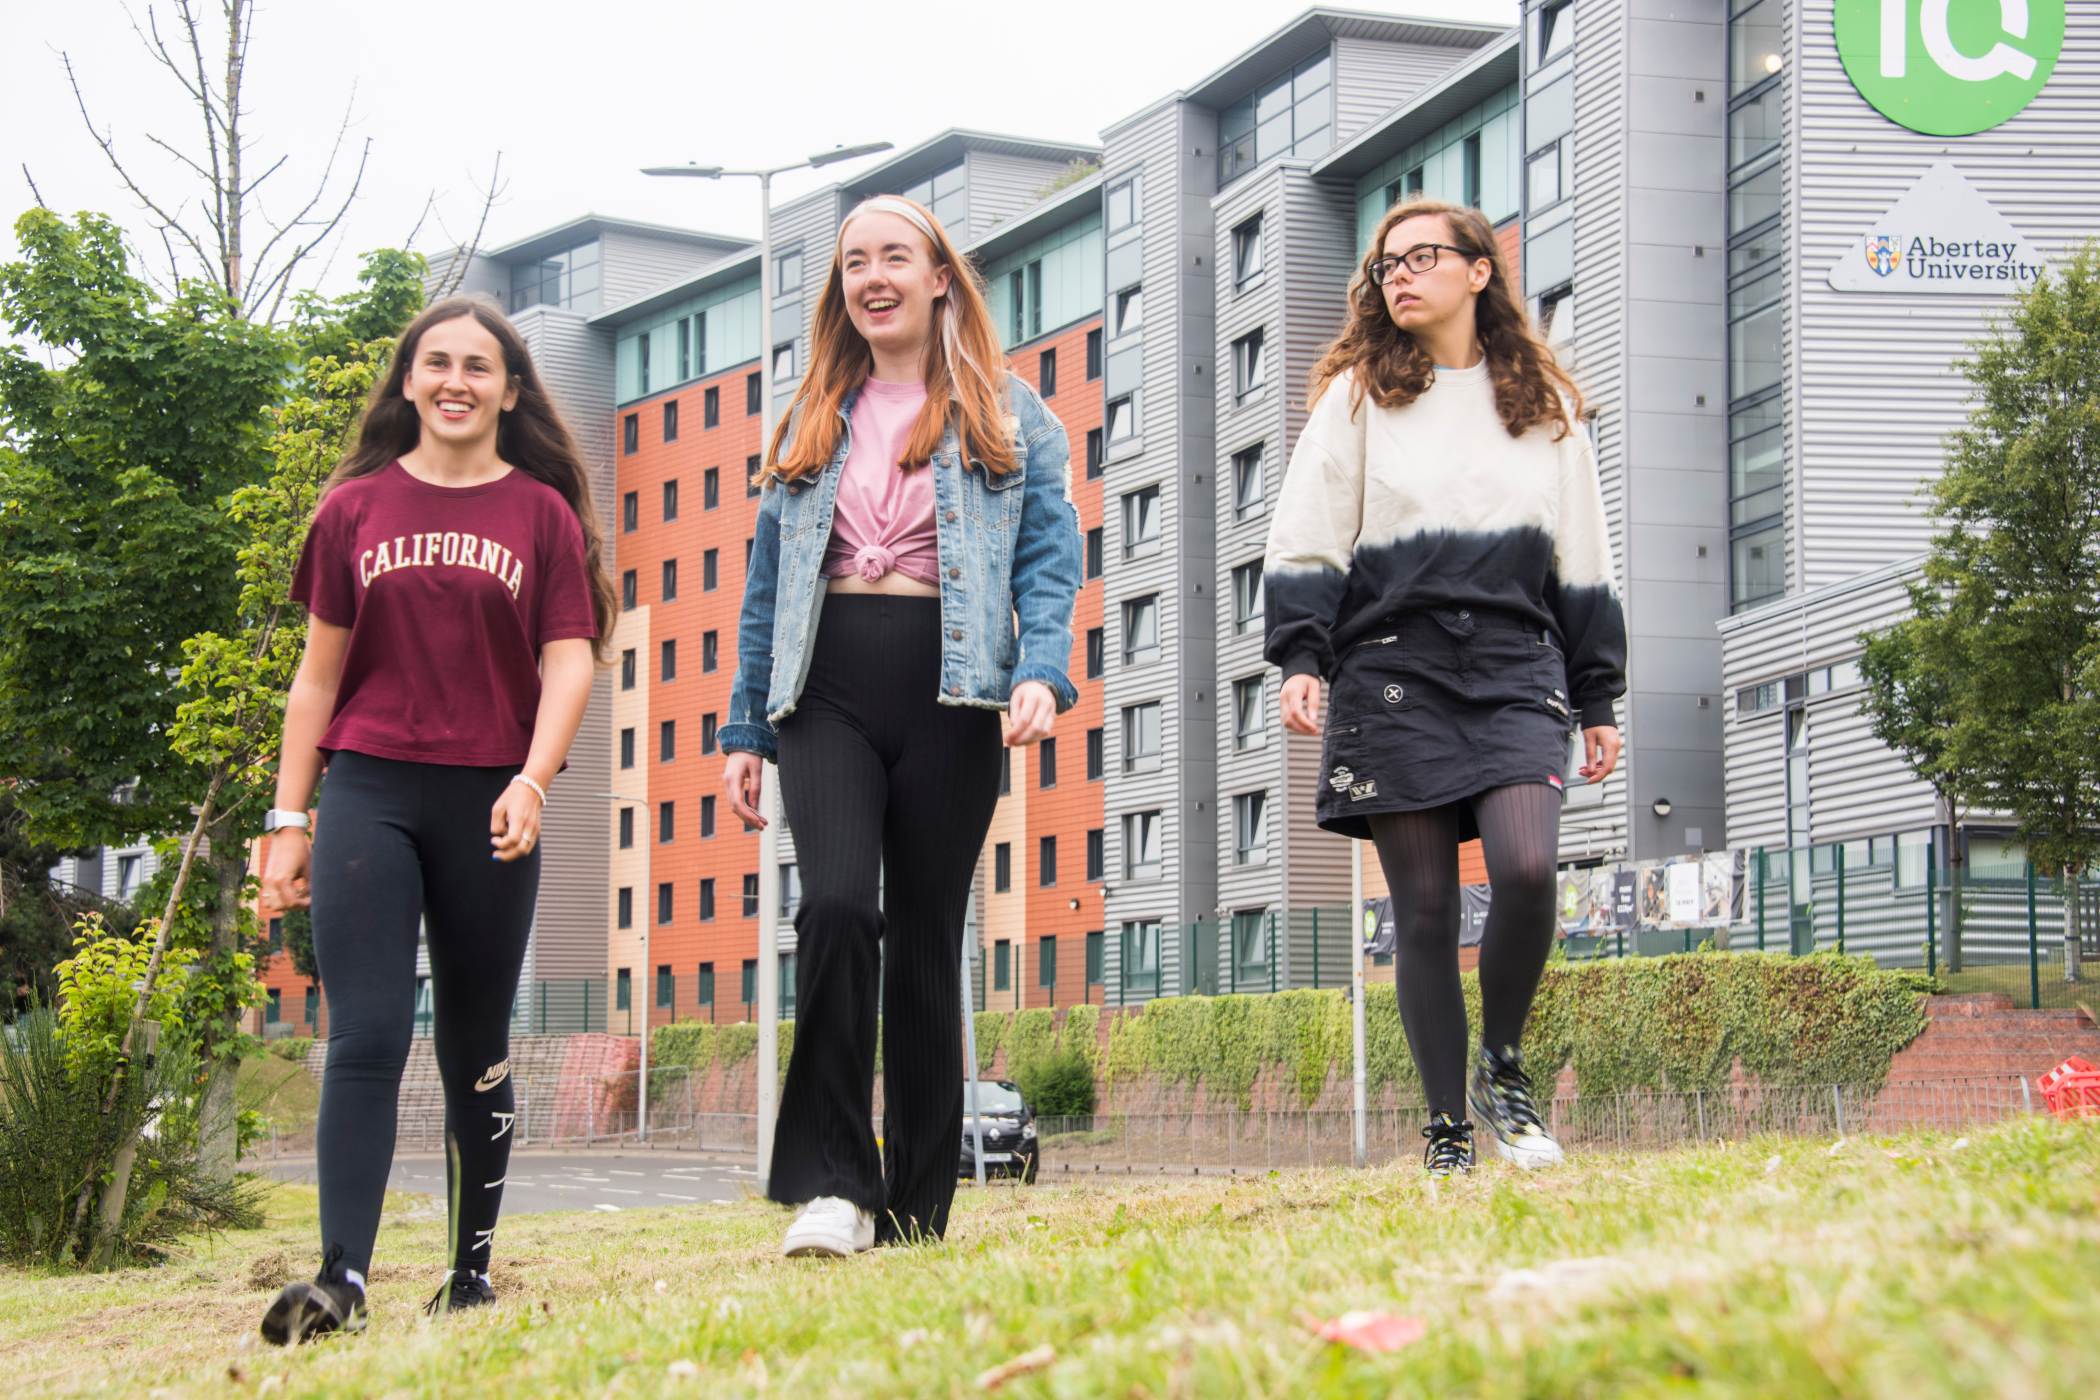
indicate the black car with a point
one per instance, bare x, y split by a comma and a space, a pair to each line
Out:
1010, 1148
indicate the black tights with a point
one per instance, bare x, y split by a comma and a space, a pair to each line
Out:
1520, 833
395, 843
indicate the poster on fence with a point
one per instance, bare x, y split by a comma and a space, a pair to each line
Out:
1379, 935
1703, 891
1472, 915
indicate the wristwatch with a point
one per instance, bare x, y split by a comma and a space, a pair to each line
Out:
277, 818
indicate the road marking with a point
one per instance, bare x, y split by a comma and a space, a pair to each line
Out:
617, 1172
560, 1186
674, 1196
617, 1191
603, 1206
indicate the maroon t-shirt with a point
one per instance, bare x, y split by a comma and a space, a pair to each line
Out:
449, 593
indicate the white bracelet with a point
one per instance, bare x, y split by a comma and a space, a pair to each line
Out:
522, 778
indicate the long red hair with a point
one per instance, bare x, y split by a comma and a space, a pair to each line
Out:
1531, 388
965, 370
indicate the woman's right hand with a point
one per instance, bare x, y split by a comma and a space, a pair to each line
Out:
744, 776
1301, 704
284, 870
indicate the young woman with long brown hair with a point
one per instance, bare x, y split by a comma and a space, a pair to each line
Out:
915, 503
456, 605
1439, 556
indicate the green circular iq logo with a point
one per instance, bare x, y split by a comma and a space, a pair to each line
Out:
1949, 67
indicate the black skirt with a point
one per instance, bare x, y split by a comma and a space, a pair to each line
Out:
1440, 705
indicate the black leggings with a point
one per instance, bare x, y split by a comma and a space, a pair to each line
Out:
394, 843
1520, 835
880, 781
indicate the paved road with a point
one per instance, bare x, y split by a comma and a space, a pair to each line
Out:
606, 1181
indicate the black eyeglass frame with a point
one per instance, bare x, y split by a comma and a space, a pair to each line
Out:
1380, 277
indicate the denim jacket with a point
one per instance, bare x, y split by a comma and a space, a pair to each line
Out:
1008, 545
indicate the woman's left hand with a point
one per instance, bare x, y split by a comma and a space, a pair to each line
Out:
514, 822
1030, 712
1601, 745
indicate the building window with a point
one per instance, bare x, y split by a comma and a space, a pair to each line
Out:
787, 986
625, 906
1141, 522
623, 990
1246, 598
663, 903
1248, 367
1141, 630
666, 985
1046, 961
1250, 713
627, 669
1122, 418
1046, 764
1757, 465
750, 987
627, 748
707, 903
945, 193
1046, 861
631, 432
1006, 771
1250, 825
568, 278
1093, 354
1246, 253
751, 895
1290, 115
707, 982
628, 591
1556, 30
1096, 652
710, 651
1093, 552
1002, 965
711, 488
751, 477
1249, 489
1094, 454
1002, 867
671, 419
667, 669
710, 570
1046, 373
1121, 202
630, 512
1130, 310
790, 889
667, 741
1093, 754
711, 408
1094, 849
784, 362
1094, 958
1141, 950
707, 732
753, 395
670, 586
627, 828
670, 500
1141, 737
1250, 944
707, 817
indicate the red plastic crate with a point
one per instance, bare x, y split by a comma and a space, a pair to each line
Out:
2072, 1089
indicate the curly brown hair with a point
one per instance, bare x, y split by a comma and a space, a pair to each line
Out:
1531, 389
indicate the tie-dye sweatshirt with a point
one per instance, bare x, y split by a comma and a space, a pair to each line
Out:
1435, 505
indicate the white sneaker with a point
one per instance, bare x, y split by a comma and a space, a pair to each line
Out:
829, 1228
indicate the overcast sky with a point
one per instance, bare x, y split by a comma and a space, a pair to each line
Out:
578, 96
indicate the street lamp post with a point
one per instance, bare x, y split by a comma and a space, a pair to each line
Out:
647, 990
769, 802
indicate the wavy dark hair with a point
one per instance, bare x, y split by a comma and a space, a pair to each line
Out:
1531, 388
531, 436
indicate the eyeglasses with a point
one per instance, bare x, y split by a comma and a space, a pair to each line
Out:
1419, 258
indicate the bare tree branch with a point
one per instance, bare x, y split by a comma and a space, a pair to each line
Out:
181, 156
456, 274
300, 220
109, 150
39, 194
282, 278
257, 183
407, 244
150, 37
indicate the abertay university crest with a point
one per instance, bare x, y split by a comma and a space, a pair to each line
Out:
1883, 253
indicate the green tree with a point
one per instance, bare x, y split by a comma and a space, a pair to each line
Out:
2017, 561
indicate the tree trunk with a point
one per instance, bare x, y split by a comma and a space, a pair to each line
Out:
218, 1127
2071, 969
1957, 859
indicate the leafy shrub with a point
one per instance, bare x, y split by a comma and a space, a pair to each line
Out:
293, 1048
1059, 1084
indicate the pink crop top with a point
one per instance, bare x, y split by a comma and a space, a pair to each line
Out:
883, 519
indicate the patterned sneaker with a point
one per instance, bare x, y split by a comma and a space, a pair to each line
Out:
304, 1311
1450, 1150
1501, 1096
459, 1292
829, 1228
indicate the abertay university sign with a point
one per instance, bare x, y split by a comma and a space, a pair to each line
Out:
1941, 236
1949, 67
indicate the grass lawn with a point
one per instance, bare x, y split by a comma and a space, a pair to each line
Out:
1907, 1267
2015, 981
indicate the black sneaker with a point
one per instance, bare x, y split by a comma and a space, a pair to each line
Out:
304, 1311
459, 1292
1501, 1097
1450, 1149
